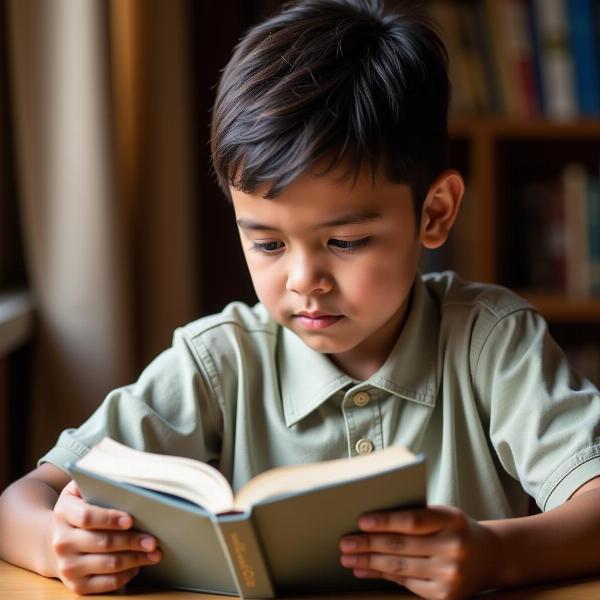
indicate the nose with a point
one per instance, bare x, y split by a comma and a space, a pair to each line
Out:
306, 276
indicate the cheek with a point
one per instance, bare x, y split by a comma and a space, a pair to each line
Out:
382, 283
267, 284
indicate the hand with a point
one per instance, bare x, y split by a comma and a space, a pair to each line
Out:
93, 549
435, 552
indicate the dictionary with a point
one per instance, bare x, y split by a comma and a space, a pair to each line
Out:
278, 535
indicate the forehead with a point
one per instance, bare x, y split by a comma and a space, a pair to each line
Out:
323, 196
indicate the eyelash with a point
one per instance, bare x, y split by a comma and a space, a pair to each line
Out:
344, 245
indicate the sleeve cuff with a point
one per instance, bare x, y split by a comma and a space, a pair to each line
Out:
61, 454
569, 477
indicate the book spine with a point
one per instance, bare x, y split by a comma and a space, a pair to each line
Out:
532, 28
557, 69
575, 183
594, 233
244, 555
521, 56
582, 19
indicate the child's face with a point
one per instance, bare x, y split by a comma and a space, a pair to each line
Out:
334, 263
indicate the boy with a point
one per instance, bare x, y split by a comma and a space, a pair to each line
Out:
329, 135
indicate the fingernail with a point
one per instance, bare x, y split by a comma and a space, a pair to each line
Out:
348, 560
147, 543
349, 544
361, 573
153, 556
124, 522
367, 522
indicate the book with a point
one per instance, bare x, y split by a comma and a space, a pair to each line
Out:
445, 15
521, 56
586, 54
575, 184
593, 224
556, 60
279, 534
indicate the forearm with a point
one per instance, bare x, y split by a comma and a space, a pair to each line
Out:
558, 544
25, 515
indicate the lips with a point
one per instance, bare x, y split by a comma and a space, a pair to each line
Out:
316, 320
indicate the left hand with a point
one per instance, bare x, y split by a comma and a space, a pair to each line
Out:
436, 552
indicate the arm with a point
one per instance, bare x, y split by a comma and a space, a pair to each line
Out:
560, 543
439, 552
46, 526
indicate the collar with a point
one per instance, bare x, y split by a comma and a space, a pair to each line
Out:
308, 378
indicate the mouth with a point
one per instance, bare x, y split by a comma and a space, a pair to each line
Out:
316, 320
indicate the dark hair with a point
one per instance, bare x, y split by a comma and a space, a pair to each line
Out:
339, 80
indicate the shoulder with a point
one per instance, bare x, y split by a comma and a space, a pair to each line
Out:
473, 313
235, 339
454, 294
235, 317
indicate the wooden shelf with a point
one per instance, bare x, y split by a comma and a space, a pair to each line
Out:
562, 309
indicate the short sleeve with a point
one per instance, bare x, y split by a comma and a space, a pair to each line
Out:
171, 409
544, 418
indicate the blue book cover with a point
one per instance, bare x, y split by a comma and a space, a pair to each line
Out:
583, 23
535, 42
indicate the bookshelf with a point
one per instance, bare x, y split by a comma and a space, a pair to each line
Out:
496, 155
493, 153
525, 134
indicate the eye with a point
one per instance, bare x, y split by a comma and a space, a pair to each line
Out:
349, 245
266, 247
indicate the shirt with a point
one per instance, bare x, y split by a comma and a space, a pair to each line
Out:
474, 381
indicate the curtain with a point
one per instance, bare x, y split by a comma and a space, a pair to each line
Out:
103, 152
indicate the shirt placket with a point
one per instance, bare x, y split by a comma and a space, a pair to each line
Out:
362, 415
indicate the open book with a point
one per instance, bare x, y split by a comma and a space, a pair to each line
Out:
280, 532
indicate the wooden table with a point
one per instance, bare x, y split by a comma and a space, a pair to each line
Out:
19, 584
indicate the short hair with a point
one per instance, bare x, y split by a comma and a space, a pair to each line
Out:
336, 80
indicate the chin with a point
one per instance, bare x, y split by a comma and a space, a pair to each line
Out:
326, 346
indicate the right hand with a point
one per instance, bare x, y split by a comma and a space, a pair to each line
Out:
93, 549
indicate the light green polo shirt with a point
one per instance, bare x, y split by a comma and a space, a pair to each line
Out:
474, 381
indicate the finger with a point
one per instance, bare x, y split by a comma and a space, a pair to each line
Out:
421, 521
79, 513
105, 564
389, 543
87, 541
425, 588
392, 566
99, 584
72, 489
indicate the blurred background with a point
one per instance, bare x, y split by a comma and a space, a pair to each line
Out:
113, 231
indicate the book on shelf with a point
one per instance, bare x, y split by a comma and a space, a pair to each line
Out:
523, 58
583, 20
278, 534
556, 61
445, 15
559, 235
575, 187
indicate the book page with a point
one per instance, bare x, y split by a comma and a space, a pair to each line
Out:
297, 478
190, 479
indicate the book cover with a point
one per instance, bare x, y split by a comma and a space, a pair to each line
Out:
584, 42
556, 61
445, 15
521, 60
575, 183
288, 543
501, 49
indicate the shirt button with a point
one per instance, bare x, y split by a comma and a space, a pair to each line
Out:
361, 399
364, 446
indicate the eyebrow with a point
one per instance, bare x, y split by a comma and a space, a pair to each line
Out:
347, 219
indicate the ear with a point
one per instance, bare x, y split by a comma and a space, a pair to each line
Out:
441, 208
